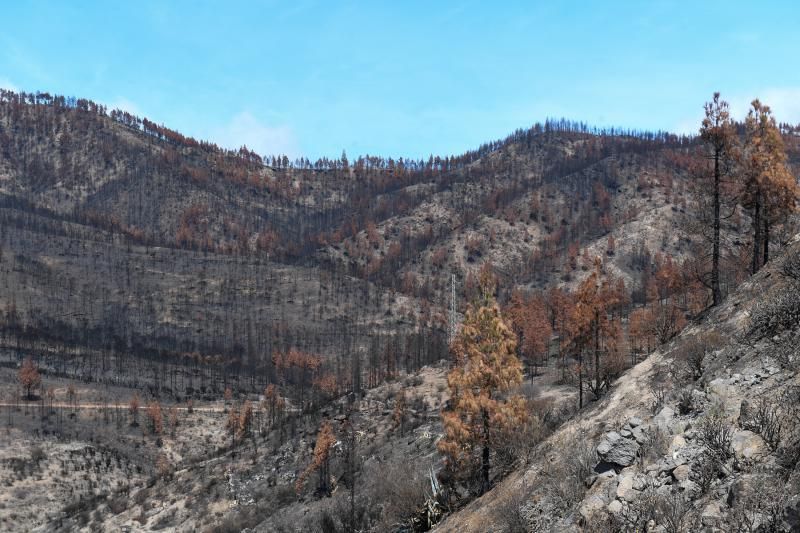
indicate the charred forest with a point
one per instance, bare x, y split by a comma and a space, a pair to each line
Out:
363, 344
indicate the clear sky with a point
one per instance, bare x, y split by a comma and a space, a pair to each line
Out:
403, 78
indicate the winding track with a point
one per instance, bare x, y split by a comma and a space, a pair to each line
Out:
203, 409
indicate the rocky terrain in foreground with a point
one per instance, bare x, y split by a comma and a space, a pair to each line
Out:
704, 435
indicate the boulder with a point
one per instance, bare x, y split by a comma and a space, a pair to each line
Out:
615, 507
792, 514
748, 445
639, 434
664, 466
681, 473
590, 506
677, 443
598, 496
625, 489
711, 515
691, 488
634, 421
663, 419
618, 450
737, 491
682, 456
677, 427
641, 482
728, 394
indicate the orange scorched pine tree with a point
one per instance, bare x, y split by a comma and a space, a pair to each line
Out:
770, 190
320, 461
485, 369
29, 377
593, 330
133, 408
529, 319
155, 420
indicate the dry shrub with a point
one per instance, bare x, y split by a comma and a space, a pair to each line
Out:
636, 516
236, 521
552, 414
565, 477
582, 458
791, 267
686, 401
655, 445
776, 314
141, 496
474, 245
673, 512
603, 523
690, 356
37, 454
155, 420
765, 419
401, 488
163, 466
414, 381
520, 444
705, 470
340, 517
511, 513
658, 391
788, 452
715, 433
757, 504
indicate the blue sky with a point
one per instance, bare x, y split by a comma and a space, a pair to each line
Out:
403, 78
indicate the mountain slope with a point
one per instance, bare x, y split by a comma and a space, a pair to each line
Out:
151, 243
135, 260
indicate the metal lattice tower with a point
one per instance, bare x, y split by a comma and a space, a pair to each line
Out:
451, 327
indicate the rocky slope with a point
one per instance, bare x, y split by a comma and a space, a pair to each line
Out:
214, 487
701, 436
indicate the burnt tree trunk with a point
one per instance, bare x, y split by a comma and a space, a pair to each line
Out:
756, 264
766, 239
485, 454
716, 292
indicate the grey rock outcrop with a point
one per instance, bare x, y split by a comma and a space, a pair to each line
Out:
748, 446
617, 449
